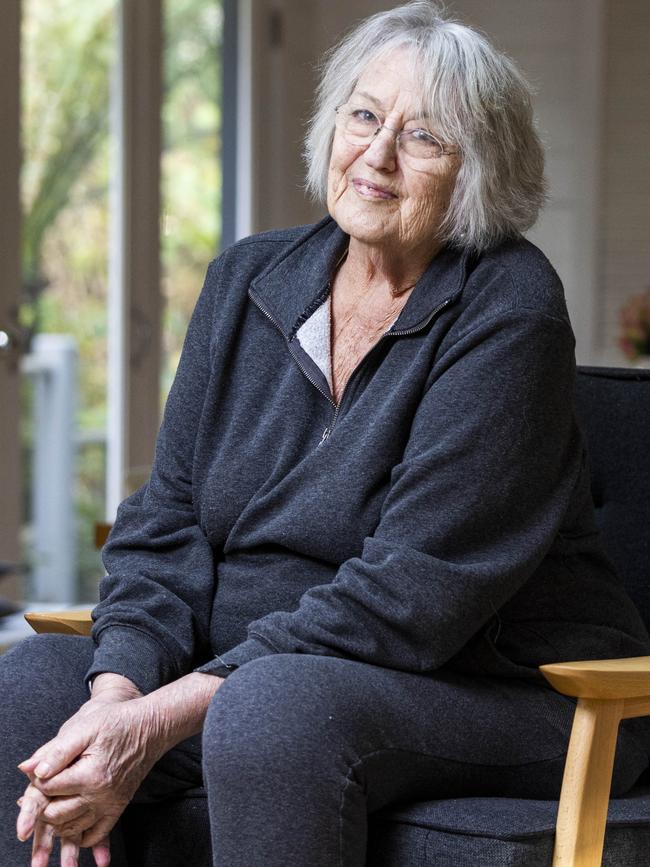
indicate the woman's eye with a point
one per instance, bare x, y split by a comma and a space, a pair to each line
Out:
423, 136
364, 115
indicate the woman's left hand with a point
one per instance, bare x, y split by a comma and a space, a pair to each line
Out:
82, 780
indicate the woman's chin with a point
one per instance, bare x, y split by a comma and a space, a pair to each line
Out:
365, 229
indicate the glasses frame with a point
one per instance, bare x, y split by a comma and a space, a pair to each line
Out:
397, 134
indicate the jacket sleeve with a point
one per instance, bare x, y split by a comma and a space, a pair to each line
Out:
473, 507
153, 615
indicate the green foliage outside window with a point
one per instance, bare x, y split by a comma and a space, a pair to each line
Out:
69, 49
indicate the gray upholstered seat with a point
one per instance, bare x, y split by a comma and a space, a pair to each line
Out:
614, 406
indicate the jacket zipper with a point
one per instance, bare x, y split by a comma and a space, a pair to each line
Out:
337, 406
401, 333
268, 315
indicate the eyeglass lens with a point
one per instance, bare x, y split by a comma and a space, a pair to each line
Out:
360, 125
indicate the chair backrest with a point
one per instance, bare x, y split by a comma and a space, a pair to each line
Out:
614, 409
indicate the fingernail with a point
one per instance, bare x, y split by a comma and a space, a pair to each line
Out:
42, 769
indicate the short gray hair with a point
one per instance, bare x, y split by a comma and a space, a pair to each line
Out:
479, 101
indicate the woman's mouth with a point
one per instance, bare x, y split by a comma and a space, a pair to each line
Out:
368, 190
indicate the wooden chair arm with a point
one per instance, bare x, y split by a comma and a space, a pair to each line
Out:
605, 679
102, 530
77, 622
608, 690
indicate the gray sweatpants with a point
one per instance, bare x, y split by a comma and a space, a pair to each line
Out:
297, 750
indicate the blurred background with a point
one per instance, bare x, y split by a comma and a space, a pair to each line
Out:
140, 137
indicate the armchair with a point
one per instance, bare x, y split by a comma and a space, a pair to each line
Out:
614, 406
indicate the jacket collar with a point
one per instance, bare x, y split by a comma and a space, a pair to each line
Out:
293, 287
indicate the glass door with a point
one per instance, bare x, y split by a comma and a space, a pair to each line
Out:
69, 52
54, 285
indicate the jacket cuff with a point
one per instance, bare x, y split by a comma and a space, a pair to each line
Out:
133, 654
223, 665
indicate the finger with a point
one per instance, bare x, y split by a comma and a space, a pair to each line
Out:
77, 827
42, 844
63, 810
69, 852
98, 834
102, 853
34, 802
56, 754
85, 775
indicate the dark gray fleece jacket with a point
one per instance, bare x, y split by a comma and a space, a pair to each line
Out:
439, 516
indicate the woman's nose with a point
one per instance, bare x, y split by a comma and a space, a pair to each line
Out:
382, 150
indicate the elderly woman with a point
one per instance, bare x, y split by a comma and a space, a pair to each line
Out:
369, 517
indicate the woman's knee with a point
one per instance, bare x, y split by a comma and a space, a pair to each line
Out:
41, 679
277, 710
58, 657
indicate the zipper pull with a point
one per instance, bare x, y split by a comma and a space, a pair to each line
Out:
326, 433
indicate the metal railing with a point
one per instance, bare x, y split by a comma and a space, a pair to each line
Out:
52, 367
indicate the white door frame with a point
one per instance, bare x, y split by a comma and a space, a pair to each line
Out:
135, 298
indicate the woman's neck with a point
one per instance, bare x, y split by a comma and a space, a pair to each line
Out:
369, 267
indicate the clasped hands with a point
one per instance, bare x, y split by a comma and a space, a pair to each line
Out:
82, 780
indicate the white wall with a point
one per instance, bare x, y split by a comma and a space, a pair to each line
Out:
559, 47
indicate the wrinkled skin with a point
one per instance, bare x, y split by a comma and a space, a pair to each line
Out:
97, 761
99, 758
396, 236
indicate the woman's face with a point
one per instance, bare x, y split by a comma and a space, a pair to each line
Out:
374, 194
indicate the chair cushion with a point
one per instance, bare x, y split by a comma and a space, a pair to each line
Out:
499, 832
456, 832
509, 818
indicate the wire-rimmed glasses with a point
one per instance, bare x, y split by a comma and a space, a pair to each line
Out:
360, 124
